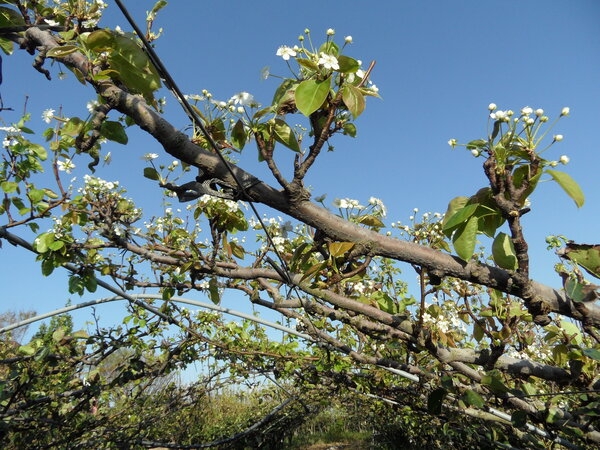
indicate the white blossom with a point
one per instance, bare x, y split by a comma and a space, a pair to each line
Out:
500, 115
91, 105
285, 52
492, 106
565, 111
48, 115
328, 61
527, 111
564, 159
558, 137
348, 39
242, 98
330, 32
65, 166
149, 156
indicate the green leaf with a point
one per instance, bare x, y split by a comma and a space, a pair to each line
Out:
453, 206
572, 331
10, 18
160, 4
478, 332
27, 350
353, 99
62, 51
308, 64
100, 40
337, 249
39, 150
347, 64
523, 173
350, 129
477, 144
128, 62
585, 255
370, 221
73, 127
503, 251
9, 186
285, 135
43, 242
310, 95
238, 135
237, 250
459, 217
330, 47
592, 353
465, 238
579, 292
58, 335
151, 173
76, 285
569, 185
114, 131
91, 283
213, 291
6, 46
56, 245
494, 383
48, 267
435, 401
385, 302
473, 398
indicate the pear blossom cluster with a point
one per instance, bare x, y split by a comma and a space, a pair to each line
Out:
531, 119
93, 12
446, 321
426, 230
535, 350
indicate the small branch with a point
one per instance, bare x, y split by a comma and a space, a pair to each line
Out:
321, 136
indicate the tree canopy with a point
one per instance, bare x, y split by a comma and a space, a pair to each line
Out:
479, 338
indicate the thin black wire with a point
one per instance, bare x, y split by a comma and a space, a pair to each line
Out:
197, 122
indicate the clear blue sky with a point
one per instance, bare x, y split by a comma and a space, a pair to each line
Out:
439, 64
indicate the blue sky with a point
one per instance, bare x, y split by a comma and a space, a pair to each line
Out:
439, 64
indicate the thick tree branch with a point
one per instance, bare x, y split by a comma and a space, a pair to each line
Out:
179, 146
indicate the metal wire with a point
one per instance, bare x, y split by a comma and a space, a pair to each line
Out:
197, 122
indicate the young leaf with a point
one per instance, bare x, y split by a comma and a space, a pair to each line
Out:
592, 353
473, 398
350, 129
310, 95
61, 51
585, 255
308, 64
213, 291
114, 131
100, 40
465, 238
285, 135
503, 251
353, 99
238, 135
337, 249
347, 64
579, 292
151, 173
569, 185
457, 214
